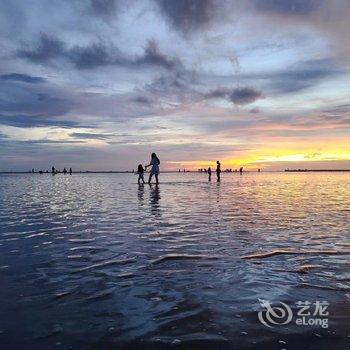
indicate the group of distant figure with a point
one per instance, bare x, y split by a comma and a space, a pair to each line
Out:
154, 163
218, 171
54, 171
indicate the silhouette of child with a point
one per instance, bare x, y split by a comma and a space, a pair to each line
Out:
140, 171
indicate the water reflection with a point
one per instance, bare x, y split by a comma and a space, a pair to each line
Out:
100, 250
154, 197
140, 193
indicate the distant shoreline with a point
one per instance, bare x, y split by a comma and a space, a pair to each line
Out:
316, 170
180, 172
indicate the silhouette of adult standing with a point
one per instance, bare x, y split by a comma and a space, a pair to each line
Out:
155, 168
218, 170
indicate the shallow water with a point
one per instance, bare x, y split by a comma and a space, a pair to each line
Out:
91, 260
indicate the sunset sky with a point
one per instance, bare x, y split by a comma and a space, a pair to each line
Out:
101, 84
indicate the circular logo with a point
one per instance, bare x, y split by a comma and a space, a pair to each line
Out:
274, 315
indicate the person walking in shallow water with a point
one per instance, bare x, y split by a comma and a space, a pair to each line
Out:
140, 171
241, 170
209, 174
155, 168
218, 170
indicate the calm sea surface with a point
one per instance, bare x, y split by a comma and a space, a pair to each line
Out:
94, 261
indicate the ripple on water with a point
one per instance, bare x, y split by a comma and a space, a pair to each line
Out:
177, 261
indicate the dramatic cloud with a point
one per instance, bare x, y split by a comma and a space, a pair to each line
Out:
103, 8
18, 99
30, 121
48, 48
88, 57
289, 7
142, 99
255, 110
55, 142
102, 83
238, 96
298, 77
304, 76
187, 15
96, 54
91, 136
218, 93
25, 78
154, 57
243, 96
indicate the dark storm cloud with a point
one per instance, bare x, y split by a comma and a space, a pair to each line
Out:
91, 136
30, 121
103, 8
25, 78
48, 48
238, 96
96, 55
187, 15
289, 7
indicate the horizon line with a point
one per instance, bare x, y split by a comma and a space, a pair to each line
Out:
173, 171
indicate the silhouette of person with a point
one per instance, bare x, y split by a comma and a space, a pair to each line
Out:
155, 168
70, 171
140, 172
209, 174
241, 170
218, 170
53, 170
64, 171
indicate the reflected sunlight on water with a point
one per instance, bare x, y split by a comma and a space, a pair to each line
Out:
95, 256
